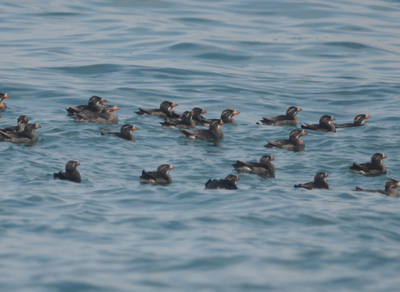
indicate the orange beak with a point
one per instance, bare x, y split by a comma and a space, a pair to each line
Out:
135, 128
115, 108
103, 100
37, 126
333, 119
367, 116
174, 104
272, 158
237, 178
384, 156
222, 123
6, 95
304, 133
299, 109
172, 167
236, 113
26, 119
3, 105
204, 111
77, 163
398, 184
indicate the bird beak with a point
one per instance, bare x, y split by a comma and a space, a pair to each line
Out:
26, 119
222, 123
174, 104
3, 105
384, 156
272, 158
204, 111
171, 167
135, 128
299, 109
236, 112
103, 100
333, 119
367, 116
304, 133
237, 178
398, 184
6, 95
77, 163
37, 126
116, 108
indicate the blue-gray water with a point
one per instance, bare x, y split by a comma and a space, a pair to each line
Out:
111, 233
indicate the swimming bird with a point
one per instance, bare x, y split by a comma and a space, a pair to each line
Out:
185, 121
213, 133
373, 168
318, 183
227, 116
106, 116
198, 118
166, 110
3, 96
126, 132
71, 173
390, 188
27, 136
264, 168
325, 125
294, 143
290, 118
228, 183
161, 176
359, 120
95, 105
22, 122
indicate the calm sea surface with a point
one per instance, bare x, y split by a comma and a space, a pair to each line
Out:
112, 233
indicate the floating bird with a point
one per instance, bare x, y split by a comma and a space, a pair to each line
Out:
3, 96
359, 120
373, 168
166, 110
161, 176
228, 183
290, 118
71, 173
106, 116
95, 105
213, 133
126, 132
27, 136
198, 118
265, 167
185, 121
325, 125
294, 143
318, 183
22, 122
390, 188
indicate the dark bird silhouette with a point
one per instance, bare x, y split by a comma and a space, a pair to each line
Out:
294, 143
373, 168
95, 105
71, 173
27, 136
22, 122
185, 121
227, 116
390, 188
325, 125
213, 133
166, 110
3, 96
106, 116
264, 168
359, 120
228, 183
198, 118
290, 118
126, 132
318, 183
161, 176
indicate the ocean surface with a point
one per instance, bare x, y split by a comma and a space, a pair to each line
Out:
112, 233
